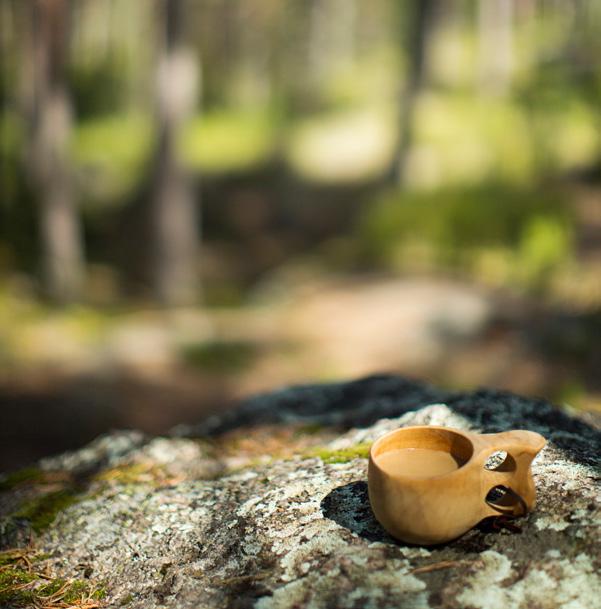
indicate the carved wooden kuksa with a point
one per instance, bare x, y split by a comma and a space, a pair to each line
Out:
428, 485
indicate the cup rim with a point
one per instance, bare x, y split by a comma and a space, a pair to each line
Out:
400, 430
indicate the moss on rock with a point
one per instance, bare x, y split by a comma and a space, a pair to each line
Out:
342, 455
132, 473
23, 583
41, 511
298, 530
22, 476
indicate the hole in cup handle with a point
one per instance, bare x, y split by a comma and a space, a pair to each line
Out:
500, 461
508, 484
505, 501
512, 476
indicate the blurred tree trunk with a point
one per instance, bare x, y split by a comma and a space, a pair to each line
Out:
495, 37
330, 39
175, 245
49, 119
418, 19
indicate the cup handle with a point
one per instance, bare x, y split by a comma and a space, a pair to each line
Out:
513, 474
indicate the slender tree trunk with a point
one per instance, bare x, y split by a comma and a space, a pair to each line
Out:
496, 45
173, 207
418, 21
50, 124
331, 38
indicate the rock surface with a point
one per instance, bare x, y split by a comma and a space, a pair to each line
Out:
205, 519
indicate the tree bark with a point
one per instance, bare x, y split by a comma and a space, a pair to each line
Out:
50, 125
496, 45
418, 22
173, 206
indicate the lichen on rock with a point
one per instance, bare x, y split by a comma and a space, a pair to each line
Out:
179, 522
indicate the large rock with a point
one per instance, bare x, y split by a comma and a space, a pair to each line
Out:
205, 519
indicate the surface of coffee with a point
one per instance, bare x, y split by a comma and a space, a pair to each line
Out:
417, 462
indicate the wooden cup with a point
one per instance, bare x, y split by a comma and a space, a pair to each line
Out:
430, 509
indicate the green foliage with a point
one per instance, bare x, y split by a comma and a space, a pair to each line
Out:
11, 136
225, 141
544, 246
111, 151
562, 119
220, 356
452, 228
17, 210
91, 100
461, 138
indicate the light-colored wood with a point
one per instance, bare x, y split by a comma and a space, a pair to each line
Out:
445, 501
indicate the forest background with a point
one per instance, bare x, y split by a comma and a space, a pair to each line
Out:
204, 199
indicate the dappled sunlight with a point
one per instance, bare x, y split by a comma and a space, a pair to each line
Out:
469, 138
343, 148
110, 153
222, 142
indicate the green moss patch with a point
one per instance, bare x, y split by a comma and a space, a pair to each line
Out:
45, 494
24, 583
33, 476
41, 511
22, 476
133, 473
343, 455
